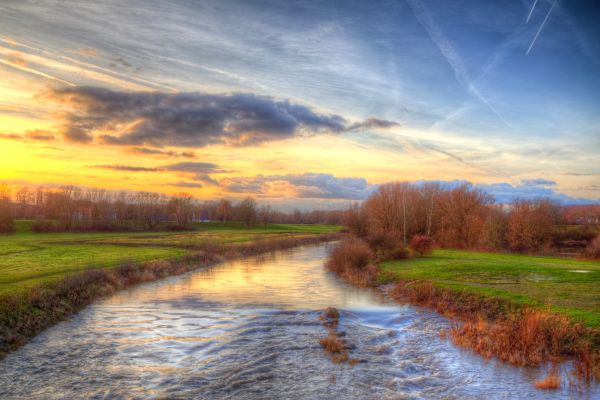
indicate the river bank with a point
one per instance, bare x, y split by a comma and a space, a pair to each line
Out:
25, 313
524, 310
250, 328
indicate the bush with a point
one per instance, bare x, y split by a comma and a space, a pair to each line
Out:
399, 253
351, 259
421, 244
46, 226
7, 224
593, 249
381, 241
387, 247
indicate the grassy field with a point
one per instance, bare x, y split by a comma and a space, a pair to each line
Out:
568, 286
28, 259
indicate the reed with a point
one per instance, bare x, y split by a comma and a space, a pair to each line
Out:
521, 336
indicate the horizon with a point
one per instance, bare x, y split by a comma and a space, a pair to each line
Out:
302, 105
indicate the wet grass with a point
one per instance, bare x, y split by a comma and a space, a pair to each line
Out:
569, 287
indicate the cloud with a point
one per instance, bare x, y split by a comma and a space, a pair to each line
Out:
537, 182
88, 51
373, 123
195, 167
162, 153
11, 136
40, 135
197, 171
505, 193
191, 119
308, 185
130, 168
577, 174
17, 59
450, 54
189, 185
28, 136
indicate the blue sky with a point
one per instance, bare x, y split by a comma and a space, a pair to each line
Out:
495, 92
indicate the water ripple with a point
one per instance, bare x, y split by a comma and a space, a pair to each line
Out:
250, 330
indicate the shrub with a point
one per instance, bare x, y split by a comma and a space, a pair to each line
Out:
45, 226
399, 253
381, 241
7, 224
421, 244
593, 249
351, 259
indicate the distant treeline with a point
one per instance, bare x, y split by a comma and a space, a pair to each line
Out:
468, 218
70, 208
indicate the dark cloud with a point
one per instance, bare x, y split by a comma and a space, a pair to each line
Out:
537, 182
373, 123
195, 167
191, 119
309, 185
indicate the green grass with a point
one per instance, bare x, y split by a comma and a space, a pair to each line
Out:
28, 259
526, 280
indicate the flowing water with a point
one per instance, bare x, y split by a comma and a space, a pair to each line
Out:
250, 330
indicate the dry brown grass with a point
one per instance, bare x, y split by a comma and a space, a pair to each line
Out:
550, 382
351, 259
332, 343
525, 339
498, 328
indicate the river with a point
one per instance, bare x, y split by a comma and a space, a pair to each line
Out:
250, 330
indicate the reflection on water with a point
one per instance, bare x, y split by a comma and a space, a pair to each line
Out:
249, 329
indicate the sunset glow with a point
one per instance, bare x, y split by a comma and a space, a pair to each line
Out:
292, 96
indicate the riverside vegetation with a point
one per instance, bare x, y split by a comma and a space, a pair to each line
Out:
44, 278
524, 309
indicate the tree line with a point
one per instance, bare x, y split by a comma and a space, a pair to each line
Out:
465, 217
70, 208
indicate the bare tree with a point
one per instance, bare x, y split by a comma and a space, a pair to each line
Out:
247, 212
264, 215
224, 210
182, 208
7, 220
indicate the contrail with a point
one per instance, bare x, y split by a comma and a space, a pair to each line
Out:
450, 54
541, 27
531, 11
36, 72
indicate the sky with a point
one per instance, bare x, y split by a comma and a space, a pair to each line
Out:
302, 103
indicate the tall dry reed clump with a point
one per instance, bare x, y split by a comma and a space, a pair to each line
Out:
351, 259
24, 315
498, 328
